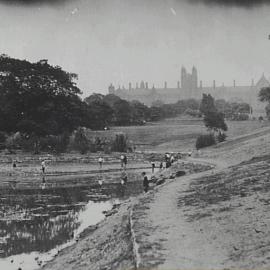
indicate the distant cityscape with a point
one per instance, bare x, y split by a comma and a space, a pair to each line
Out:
189, 87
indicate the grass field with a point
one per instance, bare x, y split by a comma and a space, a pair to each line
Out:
177, 134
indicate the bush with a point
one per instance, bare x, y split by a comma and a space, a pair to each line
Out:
120, 144
3, 137
240, 117
55, 144
221, 137
80, 141
13, 141
193, 113
205, 140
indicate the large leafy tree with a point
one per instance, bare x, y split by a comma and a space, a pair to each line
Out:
38, 98
264, 96
100, 112
213, 120
207, 104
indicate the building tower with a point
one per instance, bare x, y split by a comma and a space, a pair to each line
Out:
183, 77
194, 78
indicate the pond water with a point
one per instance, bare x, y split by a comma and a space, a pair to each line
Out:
36, 223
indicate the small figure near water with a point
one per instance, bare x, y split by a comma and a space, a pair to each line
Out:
124, 178
161, 166
43, 166
14, 163
153, 165
123, 159
100, 161
145, 182
100, 182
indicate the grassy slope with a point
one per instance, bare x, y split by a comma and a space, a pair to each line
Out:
176, 133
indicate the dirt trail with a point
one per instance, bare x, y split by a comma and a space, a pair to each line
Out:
165, 240
223, 237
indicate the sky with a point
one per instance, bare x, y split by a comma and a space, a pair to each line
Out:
122, 41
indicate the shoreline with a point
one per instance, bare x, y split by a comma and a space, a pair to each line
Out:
124, 220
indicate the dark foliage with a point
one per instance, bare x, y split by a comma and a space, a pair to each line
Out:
221, 137
234, 110
39, 98
120, 143
264, 96
205, 140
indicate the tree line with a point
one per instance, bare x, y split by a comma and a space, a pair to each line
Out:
39, 100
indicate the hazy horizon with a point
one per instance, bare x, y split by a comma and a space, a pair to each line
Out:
122, 41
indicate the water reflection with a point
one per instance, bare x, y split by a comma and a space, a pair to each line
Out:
36, 221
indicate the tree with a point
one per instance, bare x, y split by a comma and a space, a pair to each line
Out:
38, 98
122, 112
207, 104
264, 96
214, 121
100, 113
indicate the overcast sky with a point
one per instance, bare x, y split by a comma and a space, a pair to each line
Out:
118, 41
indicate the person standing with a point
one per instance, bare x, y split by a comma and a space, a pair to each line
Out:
125, 161
14, 163
153, 165
172, 159
145, 182
100, 161
124, 178
161, 166
43, 166
122, 160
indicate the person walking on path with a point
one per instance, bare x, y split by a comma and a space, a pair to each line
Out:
161, 166
100, 161
145, 182
153, 165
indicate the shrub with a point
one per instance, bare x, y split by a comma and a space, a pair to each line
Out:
13, 141
205, 140
119, 143
221, 137
240, 117
193, 113
55, 144
3, 137
80, 141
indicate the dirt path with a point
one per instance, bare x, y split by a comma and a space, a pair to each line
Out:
161, 231
170, 235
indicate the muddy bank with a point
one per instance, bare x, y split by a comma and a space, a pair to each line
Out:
112, 245
109, 246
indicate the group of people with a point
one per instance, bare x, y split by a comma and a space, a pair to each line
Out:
43, 165
169, 160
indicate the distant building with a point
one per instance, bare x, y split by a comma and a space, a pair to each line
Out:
188, 87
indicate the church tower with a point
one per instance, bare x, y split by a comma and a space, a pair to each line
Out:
183, 77
194, 78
